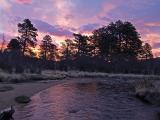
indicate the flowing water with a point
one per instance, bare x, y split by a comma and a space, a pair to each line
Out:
87, 100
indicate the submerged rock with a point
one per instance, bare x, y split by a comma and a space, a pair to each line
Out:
22, 99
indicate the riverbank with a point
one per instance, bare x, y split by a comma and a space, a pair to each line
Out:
27, 89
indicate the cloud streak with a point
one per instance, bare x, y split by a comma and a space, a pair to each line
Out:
23, 1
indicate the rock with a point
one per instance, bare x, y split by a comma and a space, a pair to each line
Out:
153, 98
22, 99
149, 95
7, 114
142, 96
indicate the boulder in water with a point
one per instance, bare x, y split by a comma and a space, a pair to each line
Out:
22, 99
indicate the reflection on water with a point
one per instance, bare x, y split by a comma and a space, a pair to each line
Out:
86, 101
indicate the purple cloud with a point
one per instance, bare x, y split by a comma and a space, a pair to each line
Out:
89, 27
50, 29
156, 45
5, 38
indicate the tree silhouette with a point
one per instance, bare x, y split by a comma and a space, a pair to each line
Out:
53, 52
146, 52
103, 40
118, 39
47, 48
13, 54
81, 44
28, 34
14, 45
115, 48
68, 49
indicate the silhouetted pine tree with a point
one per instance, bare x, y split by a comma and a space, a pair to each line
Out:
146, 52
14, 45
81, 44
118, 40
28, 34
68, 49
48, 49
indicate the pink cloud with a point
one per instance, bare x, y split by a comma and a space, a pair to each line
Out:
106, 8
152, 37
5, 5
23, 1
153, 24
156, 52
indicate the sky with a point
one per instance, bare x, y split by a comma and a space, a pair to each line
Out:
60, 18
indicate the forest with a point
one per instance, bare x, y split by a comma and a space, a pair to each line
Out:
114, 48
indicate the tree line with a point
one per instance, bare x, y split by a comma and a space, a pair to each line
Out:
116, 47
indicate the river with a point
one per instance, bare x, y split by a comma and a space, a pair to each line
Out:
107, 99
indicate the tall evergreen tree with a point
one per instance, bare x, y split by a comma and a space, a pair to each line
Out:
53, 52
48, 49
102, 39
68, 49
28, 34
81, 43
118, 39
14, 45
146, 52
45, 46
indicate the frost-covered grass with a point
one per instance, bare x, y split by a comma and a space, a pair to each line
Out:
73, 74
58, 75
81, 74
27, 77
